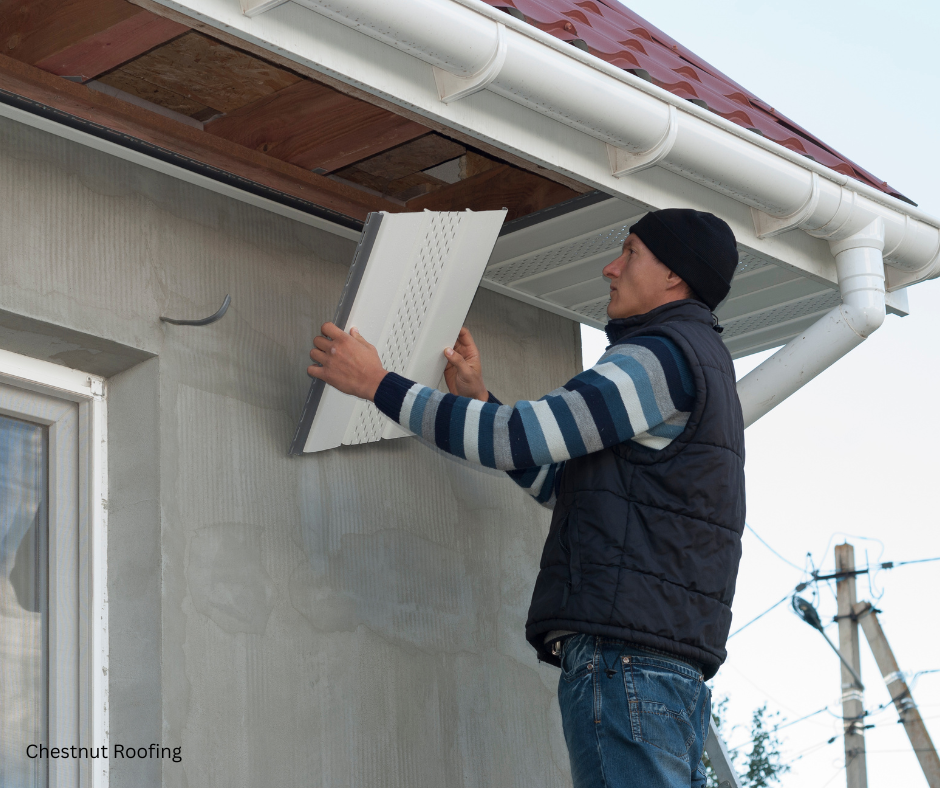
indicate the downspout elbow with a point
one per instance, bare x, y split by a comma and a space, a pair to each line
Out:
860, 269
861, 273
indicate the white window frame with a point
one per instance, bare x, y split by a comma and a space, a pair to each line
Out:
84, 705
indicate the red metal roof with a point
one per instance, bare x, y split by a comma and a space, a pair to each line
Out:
615, 34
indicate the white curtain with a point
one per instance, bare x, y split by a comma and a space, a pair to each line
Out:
24, 605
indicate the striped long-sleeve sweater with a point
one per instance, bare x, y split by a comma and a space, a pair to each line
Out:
640, 390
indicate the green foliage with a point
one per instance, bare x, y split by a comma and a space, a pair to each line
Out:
762, 766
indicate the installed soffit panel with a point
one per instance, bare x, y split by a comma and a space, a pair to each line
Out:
557, 265
408, 292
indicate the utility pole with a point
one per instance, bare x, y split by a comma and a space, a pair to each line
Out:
853, 708
900, 693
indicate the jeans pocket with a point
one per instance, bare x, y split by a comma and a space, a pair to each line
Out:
661, 696
706, 712
577, 653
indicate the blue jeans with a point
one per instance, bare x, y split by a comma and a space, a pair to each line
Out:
631, 717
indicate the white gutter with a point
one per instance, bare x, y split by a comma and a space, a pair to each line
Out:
472, 46
877, 240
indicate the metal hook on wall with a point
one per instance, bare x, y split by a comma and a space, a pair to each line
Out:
206, 320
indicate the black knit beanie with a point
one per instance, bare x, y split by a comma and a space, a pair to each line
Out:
696, 245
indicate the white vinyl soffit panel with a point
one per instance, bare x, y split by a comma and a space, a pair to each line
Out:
408, 292
556, 263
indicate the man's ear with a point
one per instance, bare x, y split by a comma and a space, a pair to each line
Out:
673, 281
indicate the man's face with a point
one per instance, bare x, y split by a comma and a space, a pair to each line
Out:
639, 282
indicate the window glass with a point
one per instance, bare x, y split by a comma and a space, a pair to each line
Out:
24, 604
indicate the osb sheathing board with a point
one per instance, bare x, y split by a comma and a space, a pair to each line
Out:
353, 618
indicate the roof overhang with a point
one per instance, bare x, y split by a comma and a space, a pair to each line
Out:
782, 207
468, 71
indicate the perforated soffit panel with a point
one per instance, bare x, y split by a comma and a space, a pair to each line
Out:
556, 264
408, 292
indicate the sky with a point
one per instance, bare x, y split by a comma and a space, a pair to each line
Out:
852, 456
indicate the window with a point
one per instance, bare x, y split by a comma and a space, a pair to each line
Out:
53, 616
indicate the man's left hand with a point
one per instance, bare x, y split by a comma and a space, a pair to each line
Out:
347, 362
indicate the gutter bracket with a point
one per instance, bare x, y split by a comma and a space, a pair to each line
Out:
895, 278
257, 7
450, 87
766, 226
624, 163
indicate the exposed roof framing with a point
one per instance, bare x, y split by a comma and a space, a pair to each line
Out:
119, 68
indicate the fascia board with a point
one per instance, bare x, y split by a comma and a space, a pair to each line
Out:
181, 173
318, 45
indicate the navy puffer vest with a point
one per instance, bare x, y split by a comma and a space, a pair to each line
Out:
644, 545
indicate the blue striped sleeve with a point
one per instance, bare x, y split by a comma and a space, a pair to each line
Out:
675, 367
391, 393
568, 425
485, 447
641, 390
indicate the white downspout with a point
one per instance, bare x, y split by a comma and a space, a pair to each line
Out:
860, 268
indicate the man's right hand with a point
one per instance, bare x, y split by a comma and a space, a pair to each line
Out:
463, 373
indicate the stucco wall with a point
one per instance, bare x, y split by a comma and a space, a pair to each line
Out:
352, 618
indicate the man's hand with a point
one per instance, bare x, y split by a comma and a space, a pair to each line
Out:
347, 362
463, 373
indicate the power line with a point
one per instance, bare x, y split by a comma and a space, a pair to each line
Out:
833, 777
768, 695
774, 605
907, 749
864, 570
892, 564
817, 575
813, 748
781, 727
761, 539
794, 722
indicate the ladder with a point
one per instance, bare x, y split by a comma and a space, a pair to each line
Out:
720, 760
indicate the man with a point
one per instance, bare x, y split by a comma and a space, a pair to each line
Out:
642, 460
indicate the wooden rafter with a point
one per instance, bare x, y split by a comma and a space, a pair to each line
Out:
399, 172
501, 186
423, 153
110, 48
315, 127
81, 102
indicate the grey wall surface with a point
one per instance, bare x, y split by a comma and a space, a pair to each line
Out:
351, 618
